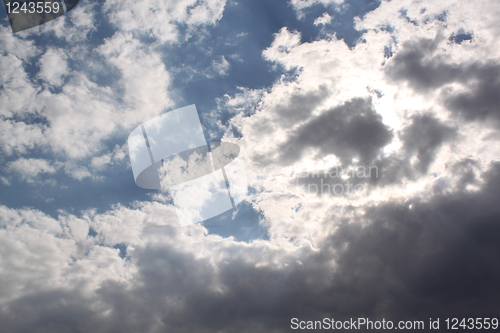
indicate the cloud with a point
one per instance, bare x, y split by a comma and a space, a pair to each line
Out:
53, 67
480, 101
159, 20
384, 102
221, 67
17, 91
300, 5
19, 137
400, 260
144, 79
446, 252
75, 171
295, 107
79, 118
29, 168
423, 137
100, 89
100, 162
421, 242
421, 69
324, 19
415, 65
468, 88
353, 130
20, 48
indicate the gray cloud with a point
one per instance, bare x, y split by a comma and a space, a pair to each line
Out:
424, 137
393, 169
436, 258
352, 130
467, 172
56, 310
482, 101
300, 106
339, 180
415, 65
418, 66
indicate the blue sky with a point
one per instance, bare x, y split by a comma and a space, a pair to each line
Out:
314, 92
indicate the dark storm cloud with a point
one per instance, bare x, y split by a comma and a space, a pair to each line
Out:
392, 169
424, 137
417, 65
436, 258
57, 310
432, 257
467, 172
352, 130
482, 101
300, 106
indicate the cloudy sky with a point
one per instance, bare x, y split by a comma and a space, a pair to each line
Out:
371, 137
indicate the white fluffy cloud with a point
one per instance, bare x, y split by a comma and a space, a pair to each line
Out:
159, 19
53, 67
144, 77
30, 167
40, 253
81, 113
19, 137
18, 92
323, 19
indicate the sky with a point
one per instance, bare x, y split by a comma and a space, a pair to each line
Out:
370, 132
